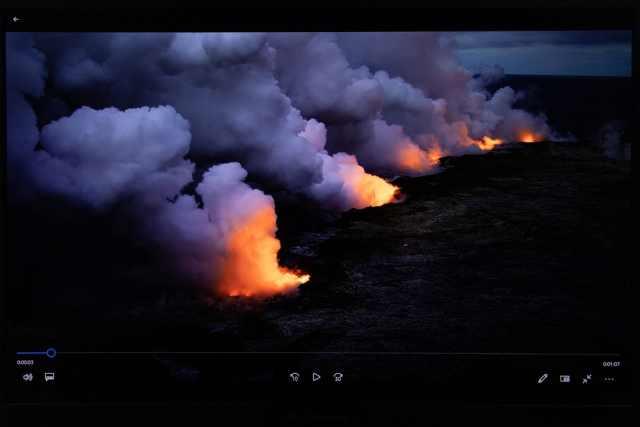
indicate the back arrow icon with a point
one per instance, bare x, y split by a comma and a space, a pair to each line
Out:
16, 19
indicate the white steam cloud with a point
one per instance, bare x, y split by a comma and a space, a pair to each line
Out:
102, 155
314, 114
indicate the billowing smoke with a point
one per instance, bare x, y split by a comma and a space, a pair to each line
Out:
126, 117
25, 77
398, 101
230, 241
100, 156
248, 96
224, 84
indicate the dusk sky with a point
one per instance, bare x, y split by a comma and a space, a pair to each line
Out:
585, 53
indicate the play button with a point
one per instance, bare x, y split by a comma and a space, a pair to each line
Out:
315, 377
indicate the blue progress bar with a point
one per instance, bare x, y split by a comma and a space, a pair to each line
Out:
50, 353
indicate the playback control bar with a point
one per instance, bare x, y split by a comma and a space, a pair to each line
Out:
61, 376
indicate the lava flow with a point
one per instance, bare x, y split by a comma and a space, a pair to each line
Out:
251, 267
528, 137
488, 143
413, 160
366, 190
358, 189
374, 191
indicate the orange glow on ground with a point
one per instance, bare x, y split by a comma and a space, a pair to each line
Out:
412, 159
435, 154
527, 137
250, 268
488, 143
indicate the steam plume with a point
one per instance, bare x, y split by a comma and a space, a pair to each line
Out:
321, 115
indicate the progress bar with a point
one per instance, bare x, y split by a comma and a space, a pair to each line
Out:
418, 353
50, 353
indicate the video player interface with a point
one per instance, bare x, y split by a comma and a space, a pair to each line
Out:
196, 215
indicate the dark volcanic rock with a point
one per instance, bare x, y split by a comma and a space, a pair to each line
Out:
520, 249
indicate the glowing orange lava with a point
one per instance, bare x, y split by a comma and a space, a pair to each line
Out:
488, 143
373, 191
359, 189
527, 137
435, 154
412, 159
251, 268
